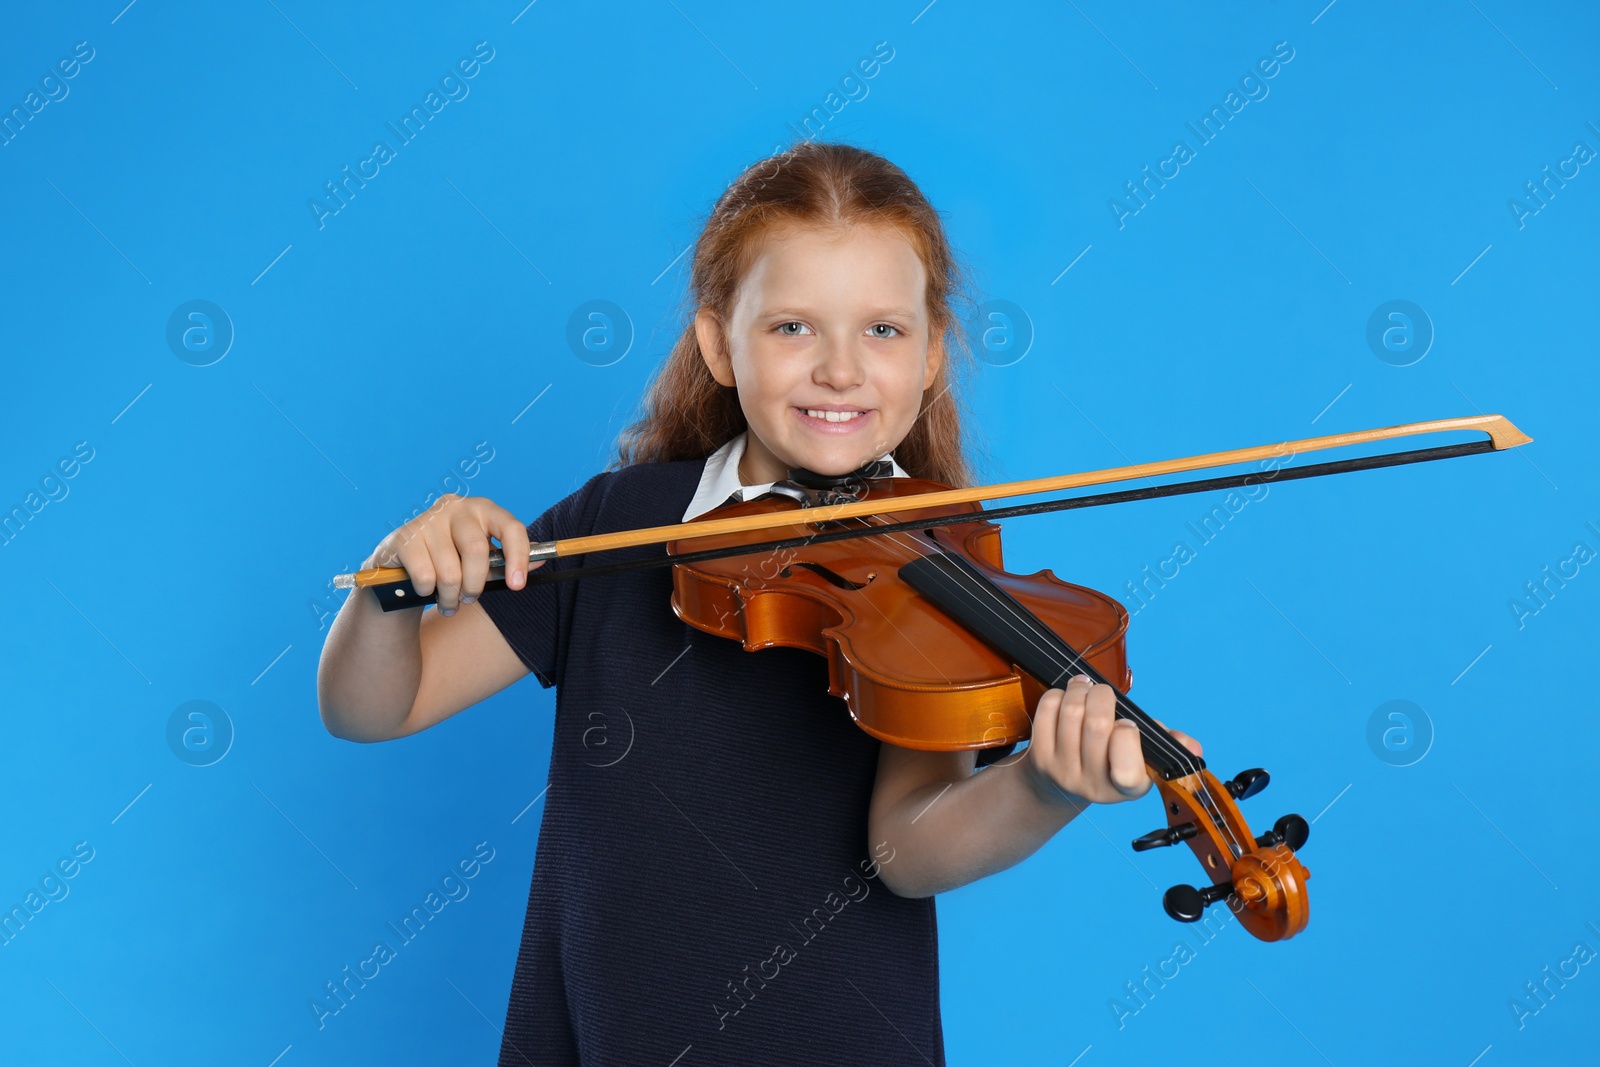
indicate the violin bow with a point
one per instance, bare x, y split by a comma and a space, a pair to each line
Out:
393, 588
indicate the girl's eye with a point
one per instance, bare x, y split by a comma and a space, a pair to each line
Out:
894, 331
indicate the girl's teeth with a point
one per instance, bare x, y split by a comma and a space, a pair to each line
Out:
833, 416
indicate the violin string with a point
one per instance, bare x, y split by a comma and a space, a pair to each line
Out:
1025, 627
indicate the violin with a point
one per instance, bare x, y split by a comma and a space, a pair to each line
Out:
933, 645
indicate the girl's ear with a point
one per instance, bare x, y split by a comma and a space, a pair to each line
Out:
713, 346
935, 361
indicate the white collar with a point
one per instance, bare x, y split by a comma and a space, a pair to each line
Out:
720, 479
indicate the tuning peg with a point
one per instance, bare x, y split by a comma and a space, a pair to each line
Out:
1290, 830
1187, 904
1167, 836
1247, 784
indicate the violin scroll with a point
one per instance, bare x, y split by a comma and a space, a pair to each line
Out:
1261, 878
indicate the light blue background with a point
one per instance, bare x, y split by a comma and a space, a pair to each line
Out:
189, 556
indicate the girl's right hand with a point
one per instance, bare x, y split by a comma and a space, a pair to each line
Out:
447, 548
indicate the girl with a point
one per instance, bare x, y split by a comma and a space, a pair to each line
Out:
728, 870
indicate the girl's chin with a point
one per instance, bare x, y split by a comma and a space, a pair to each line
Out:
821, 459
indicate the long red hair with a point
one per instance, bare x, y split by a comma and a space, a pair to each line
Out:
688, 415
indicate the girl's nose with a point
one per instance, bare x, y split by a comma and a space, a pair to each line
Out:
839, 365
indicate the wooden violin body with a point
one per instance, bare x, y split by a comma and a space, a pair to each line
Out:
910, 676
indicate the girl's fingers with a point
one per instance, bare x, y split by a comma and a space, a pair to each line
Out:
411, 554
1042, 738
1079, 743
472, 545
514, 546
1126, 769
1069, 728
446, 566
1098, 718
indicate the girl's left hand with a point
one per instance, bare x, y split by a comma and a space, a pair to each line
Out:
1079, 747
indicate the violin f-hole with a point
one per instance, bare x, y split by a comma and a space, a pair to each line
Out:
832, 576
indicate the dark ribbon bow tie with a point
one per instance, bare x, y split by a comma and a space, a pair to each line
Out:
878, 468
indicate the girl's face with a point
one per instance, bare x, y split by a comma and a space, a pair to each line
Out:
825, 321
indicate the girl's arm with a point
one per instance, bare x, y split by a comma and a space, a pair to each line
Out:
385, 675
949, 826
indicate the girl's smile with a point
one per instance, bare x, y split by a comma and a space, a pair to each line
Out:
833, 419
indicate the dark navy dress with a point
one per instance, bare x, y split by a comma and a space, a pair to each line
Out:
703, 888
